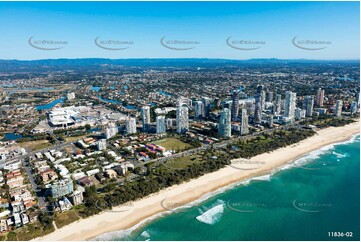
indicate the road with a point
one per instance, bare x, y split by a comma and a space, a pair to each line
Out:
222, 144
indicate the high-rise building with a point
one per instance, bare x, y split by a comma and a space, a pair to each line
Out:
206, 104
270, 120
182, 119
199, 111
102, 144
300, 113
111, 130
277, 108
161, 126
170, 123
76, 198
235, 105
308, 105
61, 188
319, 98
244, 122
357, 98
269, 97
290, 104
338, 109
145, 113
262, 96
257, 118
130, 126
225, 125
354, 107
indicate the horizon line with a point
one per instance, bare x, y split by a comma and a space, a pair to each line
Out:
175, 58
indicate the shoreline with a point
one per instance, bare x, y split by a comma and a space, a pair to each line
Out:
127, 216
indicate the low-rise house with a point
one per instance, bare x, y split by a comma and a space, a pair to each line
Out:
48, 175
76, 198
24, 218
100, 177
85, 181
110, 173
3, 226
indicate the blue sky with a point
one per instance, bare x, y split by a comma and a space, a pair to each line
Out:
209, 24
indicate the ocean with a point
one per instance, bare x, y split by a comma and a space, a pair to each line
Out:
315, 198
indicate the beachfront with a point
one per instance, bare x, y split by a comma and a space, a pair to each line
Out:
127, 216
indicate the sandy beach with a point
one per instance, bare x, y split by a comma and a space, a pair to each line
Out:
126, 216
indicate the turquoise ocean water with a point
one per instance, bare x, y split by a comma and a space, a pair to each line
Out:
318, 194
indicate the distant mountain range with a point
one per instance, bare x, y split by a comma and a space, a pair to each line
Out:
101, 63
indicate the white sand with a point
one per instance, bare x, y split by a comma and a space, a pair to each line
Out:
184, 193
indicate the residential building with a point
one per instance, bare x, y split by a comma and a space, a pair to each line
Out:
224, 126
338, 108
320, 97
161, 126
182, 119
244, 122
145, 113
130, 126
199, 111
308, 102
235, 106
61, 188
290, 105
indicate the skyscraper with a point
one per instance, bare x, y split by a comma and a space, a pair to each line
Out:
269, 97
261, 93
206, 104
319, 98
111, 130
244, 121
199, 110
145, 113
290, 104
257, 118
353, 107
102, 144
308, 105
235, 105
225, 126
338, 109
161, 126
278, 105
130, 126
182, 119
357, 98
300, 113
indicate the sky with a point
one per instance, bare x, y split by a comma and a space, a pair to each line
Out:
227, 30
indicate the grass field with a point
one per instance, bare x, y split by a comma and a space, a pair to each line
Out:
173, 144
65, 218
75, 138
182, 162
29, 232
36, 145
